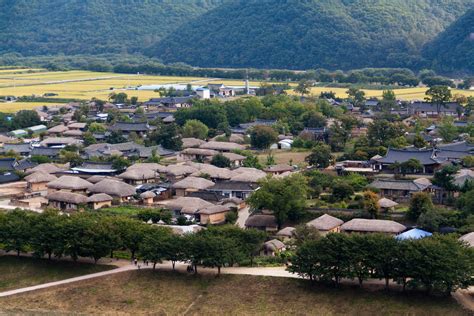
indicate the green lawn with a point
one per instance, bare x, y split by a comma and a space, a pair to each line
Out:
18, 272
161, 293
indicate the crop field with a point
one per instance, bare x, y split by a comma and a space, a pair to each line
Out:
85, 85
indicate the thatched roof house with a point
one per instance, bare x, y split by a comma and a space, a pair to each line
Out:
187, 205
40, 177
69, 183
326, 223
192, 142
114, 188
66, 200
139, 176
214, 172
468, 238
191, 184
271, 247
99, 197
98, 178
387, 203
149, 166
287, 232
372, 226
222, 146
46, 168
262, 222
180, 170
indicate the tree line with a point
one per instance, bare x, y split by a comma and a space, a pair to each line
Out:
438, 264
97, 236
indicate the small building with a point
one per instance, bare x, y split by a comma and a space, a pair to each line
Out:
387, 204
36, 182
100, 200
116, 189
192, 142
214, 214
236, 160
197, 154
222, 146
286, 233
278, 169
359, 225
427, 158
126, 128
69, 184
57, 130
400, 190
66, 200
147, 197
234, 189
272, 248
95, 168
203, 93
191, 184
136, 176
186, 205
266, 223
60, 142
326, 224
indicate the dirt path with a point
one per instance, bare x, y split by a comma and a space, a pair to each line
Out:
242, 218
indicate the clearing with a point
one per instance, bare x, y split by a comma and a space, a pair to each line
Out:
146, 291
284, 156
21, 272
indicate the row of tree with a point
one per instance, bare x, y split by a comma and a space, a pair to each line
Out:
96, 236
439, 263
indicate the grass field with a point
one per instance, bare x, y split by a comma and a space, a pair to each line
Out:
284, 156
85, 85
22, 272
148, 292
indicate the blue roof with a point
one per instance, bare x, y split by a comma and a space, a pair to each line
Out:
414, 233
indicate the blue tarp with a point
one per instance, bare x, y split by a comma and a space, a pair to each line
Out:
414, 233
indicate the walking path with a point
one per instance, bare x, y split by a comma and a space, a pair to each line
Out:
242, 217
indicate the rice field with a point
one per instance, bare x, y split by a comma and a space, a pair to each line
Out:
85, 85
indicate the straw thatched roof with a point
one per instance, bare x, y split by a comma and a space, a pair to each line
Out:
188, 205
57, 129
180, 170
67, 197
40, 177
73, 133
373, 225
147, 195
100, 197
193, 183
139, 174
45, 168
97, 178
113, 188
273, 245
468, 238
60, 140
252, 176
279, 168
199, 152
286, 232
149, 166
233, 157
221, 146
261, 221
325, 222
214, 209
387, 203
192, 142
214, 172
69, 183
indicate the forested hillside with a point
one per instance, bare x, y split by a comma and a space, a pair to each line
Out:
41, 27
454, 48
311, 34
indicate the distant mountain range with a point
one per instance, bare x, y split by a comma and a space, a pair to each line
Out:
290, 34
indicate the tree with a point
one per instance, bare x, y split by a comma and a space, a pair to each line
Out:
220, 161
115, 137
89, 139
466, 202
285, 197
445, 178
447, 130
303, 87
95, 127
218, 251
47, 234
15, 233
419, 203
382, 255
262, 137
196, 129
381, 132
439, 96
419, 141
342, 191
118, 98
430, 220
389, 100
313, 119
25, 118
411, 165
356, 96
153, 246
166, 135
320, 155
371, 203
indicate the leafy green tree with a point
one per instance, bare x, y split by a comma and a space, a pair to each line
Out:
168, 136
262, 137
447, 130
196, 129
285, 197
381, 132
47, 233
411, 165
153, 246
313, 119
218, 251
420, 203
95, 127
445, 178
356, 96
389, 100
25, 118
361, 265
88, 139
419, 141
439, 96
466, 202
382, 257
320, 155
15, 231
220, 161
303, 87
430, 220
342, 191
115, 137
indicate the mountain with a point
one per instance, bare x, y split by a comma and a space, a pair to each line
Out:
42, 27
453, 49
304, 34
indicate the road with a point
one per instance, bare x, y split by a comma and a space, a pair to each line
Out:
243, 215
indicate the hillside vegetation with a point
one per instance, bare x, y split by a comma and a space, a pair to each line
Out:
311, 34
42, 27
454, 48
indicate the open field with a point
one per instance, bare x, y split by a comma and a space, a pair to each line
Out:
22, 272
406, 94
284, 156
143, 292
